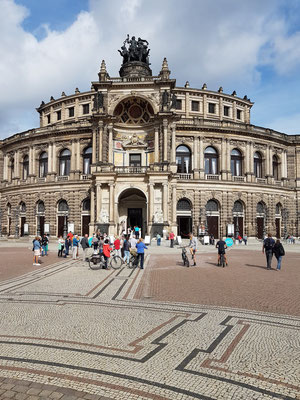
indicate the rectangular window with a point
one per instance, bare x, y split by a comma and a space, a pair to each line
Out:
48, 118
71, 112
226, 111
58, 115
135, 160
85, 109
211, 108
195, 105
178, 104
238, 114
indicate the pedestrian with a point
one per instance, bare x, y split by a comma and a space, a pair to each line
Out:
36, 251
75, 244
101, 243
245, 238
85, 245
158, 239
279, 252
61, 245
70, 235
240, 239
133, 243
193, 247
45, 241
171, 237
137, 232
126, 247
267, 247
68, 244
117, 246
106, 252
95, 242
140, 247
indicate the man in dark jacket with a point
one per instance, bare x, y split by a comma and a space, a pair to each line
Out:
279, 252
268, 245
85, 245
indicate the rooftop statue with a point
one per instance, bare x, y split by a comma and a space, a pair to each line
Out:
136, 50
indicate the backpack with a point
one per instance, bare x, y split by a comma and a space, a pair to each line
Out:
281, 251
269, 244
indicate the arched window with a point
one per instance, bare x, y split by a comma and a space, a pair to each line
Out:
87, 160
275, 168
212, 205
63, 206
261, 208
183, 159
12, 169
64, 162
25, 167
238, 207
86, 205
22, 207
8, 208
40, 207
257, 165
211, 161
43, 165
278, 209
236, 162
184, 205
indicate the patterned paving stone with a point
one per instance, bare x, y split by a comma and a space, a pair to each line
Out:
71, 333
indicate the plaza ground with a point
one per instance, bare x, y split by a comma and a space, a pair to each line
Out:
168, 332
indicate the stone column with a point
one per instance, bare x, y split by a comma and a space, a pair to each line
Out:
111, 202
204, 106
187, 104
267, 158
165, 202
33, 161
251, 156
285, 164
174, 205
100, 146
54, 158
99, 201
151, 203
221, 109
5, 168
223, 159
78, 155
196, 158
201, 158
156, 145
30, 161
110, 144
17, 166
234, 111
246, 166
173, 153
92, 222
49, 158
228, 160
94, 145
165, 130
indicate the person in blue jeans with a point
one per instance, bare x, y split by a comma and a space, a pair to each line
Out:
279, 252
140, 248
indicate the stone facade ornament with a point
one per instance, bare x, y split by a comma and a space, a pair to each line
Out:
104, 217
158, 217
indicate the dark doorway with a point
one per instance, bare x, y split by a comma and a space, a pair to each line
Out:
60, 225
23, 221
213, 225
277, 224
184, 226
41, 223
238, 221
85, 224
135, 217
9, 226
260, 227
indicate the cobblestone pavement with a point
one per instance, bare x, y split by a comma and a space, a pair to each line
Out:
68, 332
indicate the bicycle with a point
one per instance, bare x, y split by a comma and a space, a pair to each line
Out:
97, 261
222, 261
184, 256
133, 261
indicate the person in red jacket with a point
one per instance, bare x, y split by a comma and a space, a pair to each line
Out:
171, 237
106, 252
117, 245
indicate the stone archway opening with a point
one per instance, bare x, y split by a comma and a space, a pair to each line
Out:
132, 210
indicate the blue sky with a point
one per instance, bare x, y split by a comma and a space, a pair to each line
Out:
250, 46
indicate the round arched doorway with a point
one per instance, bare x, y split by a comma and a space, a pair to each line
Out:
132, 209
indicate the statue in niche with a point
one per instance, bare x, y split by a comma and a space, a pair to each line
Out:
158, 217
165, 98
173, 101
104, 217
98, 101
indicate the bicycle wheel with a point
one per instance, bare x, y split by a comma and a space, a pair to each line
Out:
132, 262
116, 262
186, 262
94, 263
223, 261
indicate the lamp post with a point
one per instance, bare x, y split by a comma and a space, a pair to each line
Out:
285, 216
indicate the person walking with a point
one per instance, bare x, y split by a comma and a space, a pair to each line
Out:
61, 245
158, 239
85, 245
137, 232
221, 246
95, 242
267, 248
171, 237
140, 247
68, 244
106, 252
193, 247
126, 247
245, 238
45, 241
75, 247
279, 252
36, 251
117, 245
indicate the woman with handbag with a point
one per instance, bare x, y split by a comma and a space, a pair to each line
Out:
279, 252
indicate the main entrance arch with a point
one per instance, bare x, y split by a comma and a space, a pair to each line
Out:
132, 209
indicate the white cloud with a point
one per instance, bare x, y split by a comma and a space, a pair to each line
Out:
215, 42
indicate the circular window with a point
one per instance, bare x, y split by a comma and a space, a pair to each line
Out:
135, 111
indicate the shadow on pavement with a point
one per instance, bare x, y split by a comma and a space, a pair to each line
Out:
257, 266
